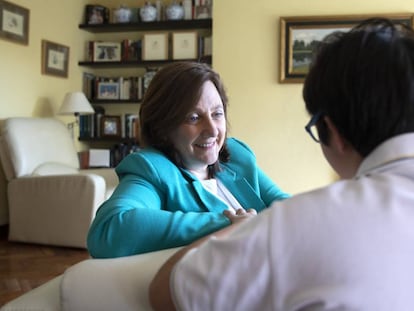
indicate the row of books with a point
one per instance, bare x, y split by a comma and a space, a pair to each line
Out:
113, 88
92, 126
120, 151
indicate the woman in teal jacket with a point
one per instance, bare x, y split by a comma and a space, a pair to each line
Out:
176, 189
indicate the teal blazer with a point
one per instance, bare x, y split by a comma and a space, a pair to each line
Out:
158, 205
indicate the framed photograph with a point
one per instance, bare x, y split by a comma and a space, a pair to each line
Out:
106, 51
14, 22
300, 35
185, 45
96, 14
108, 90
55, 59
202, 11
111, 126
155, 46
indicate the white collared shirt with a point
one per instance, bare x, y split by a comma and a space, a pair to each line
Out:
347, 246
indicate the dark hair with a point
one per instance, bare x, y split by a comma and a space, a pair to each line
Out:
364, 81
173, 92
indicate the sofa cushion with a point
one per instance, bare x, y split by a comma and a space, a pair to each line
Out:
30, 142
53, 168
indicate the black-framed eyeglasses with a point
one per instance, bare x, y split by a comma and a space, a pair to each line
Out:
311, 126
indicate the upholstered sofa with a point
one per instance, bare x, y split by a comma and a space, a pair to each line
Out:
97, 284
50, 200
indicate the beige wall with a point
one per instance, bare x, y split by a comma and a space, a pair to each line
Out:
270, 116
24, 90
267, 115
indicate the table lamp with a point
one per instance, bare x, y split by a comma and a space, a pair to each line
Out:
75, 103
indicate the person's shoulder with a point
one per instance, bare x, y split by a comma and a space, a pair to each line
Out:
144, 159
238, 147
146, 154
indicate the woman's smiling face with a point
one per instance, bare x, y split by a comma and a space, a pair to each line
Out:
200, 137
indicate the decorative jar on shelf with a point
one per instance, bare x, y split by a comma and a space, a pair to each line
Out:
174, 11
148, 13
123, 14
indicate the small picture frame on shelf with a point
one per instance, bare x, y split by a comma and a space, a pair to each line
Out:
14, 22
111, 126
55, 59
96, 14
202, 11
155, 46
185, 45
108, 90
106, 51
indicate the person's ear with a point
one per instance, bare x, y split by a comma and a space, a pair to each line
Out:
336, 140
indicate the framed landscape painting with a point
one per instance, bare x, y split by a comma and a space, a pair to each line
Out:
300, 35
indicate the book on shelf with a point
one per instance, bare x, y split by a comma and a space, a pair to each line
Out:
131, 125
119, 151
89, 125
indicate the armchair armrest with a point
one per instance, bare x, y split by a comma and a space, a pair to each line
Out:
111, 284
108, 174
54, 209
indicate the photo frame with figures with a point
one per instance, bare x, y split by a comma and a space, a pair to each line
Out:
185, 45
106, 51
110, 126
108, 90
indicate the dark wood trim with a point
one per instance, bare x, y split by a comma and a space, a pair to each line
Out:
149, 26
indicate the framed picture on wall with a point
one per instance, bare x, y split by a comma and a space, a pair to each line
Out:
55, 59
14, 22
299, 35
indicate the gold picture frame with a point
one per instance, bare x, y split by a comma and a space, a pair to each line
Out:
298, 34
55, 59
14, 22
155, 46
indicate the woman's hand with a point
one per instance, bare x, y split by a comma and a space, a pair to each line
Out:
240, 215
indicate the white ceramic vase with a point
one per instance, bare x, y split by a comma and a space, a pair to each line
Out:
174, 11
148, 13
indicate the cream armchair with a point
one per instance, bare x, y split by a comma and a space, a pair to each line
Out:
51, 201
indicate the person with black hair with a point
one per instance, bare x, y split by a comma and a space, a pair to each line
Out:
346, 246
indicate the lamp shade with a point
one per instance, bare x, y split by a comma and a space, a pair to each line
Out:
75, 103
